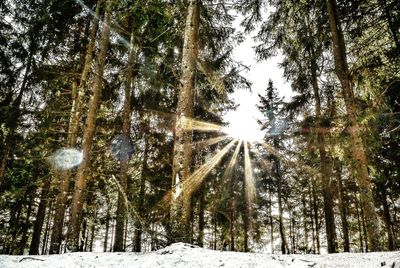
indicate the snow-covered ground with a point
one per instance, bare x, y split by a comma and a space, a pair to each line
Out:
184, 255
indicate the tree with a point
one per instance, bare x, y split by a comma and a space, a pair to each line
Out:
183, 138
74, 237
358, 151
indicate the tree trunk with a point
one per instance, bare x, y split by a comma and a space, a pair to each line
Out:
47, 229
284, 244
342, 208
81, 176
315, 208
358, 151
325, 165
200, 239
312, 219
76, 109
40, 215
105, 245
126, 130
183, 137
305, 227
382, 195
271, 219
26, 225
360, 236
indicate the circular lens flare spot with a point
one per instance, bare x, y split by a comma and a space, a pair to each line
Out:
66, 158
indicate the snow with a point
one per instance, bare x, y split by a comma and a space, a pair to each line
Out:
185, 256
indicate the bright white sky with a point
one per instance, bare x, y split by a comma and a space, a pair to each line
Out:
243, 121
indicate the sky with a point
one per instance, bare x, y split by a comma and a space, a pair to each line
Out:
243, 121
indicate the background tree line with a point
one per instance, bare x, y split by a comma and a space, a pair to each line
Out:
121, 80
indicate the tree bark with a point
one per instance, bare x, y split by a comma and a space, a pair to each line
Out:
382, 195
81, 177
200, 239
358, 151
342, 207
75, 115
271, 220
325, 164
183, 137
126, 130
315, 208
40, 215
138, 224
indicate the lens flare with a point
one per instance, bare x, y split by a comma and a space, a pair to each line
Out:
66, 158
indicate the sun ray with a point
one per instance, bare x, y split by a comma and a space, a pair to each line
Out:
250, 187
194, 124
195, 180
205, 143
229, 170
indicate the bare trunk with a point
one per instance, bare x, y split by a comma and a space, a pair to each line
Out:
200, 240
183, 137
313, 247
81, 177
315, 208
40, 215
342, 208
358, 151
122, 206
47, 229
271, 220
325, 165
360, 236
105, 244
76, 109
305, 227
386, 214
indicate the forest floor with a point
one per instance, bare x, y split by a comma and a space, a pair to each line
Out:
184, 255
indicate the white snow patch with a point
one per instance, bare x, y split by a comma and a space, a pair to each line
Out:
185, 256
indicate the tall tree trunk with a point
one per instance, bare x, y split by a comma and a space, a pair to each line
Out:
360, 235
342, 207
126, 130
108, 216
75, 115
382, 195
284, 244
315, 208
138, 224
200, 239
325, 164
81, 176
305, 227
313, 247
40, 215
358, 151
26, 225
271, 220
47, 229
183, 137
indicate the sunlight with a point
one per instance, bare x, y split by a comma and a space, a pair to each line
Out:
205, 143
250, 186
243, 126
194, 181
